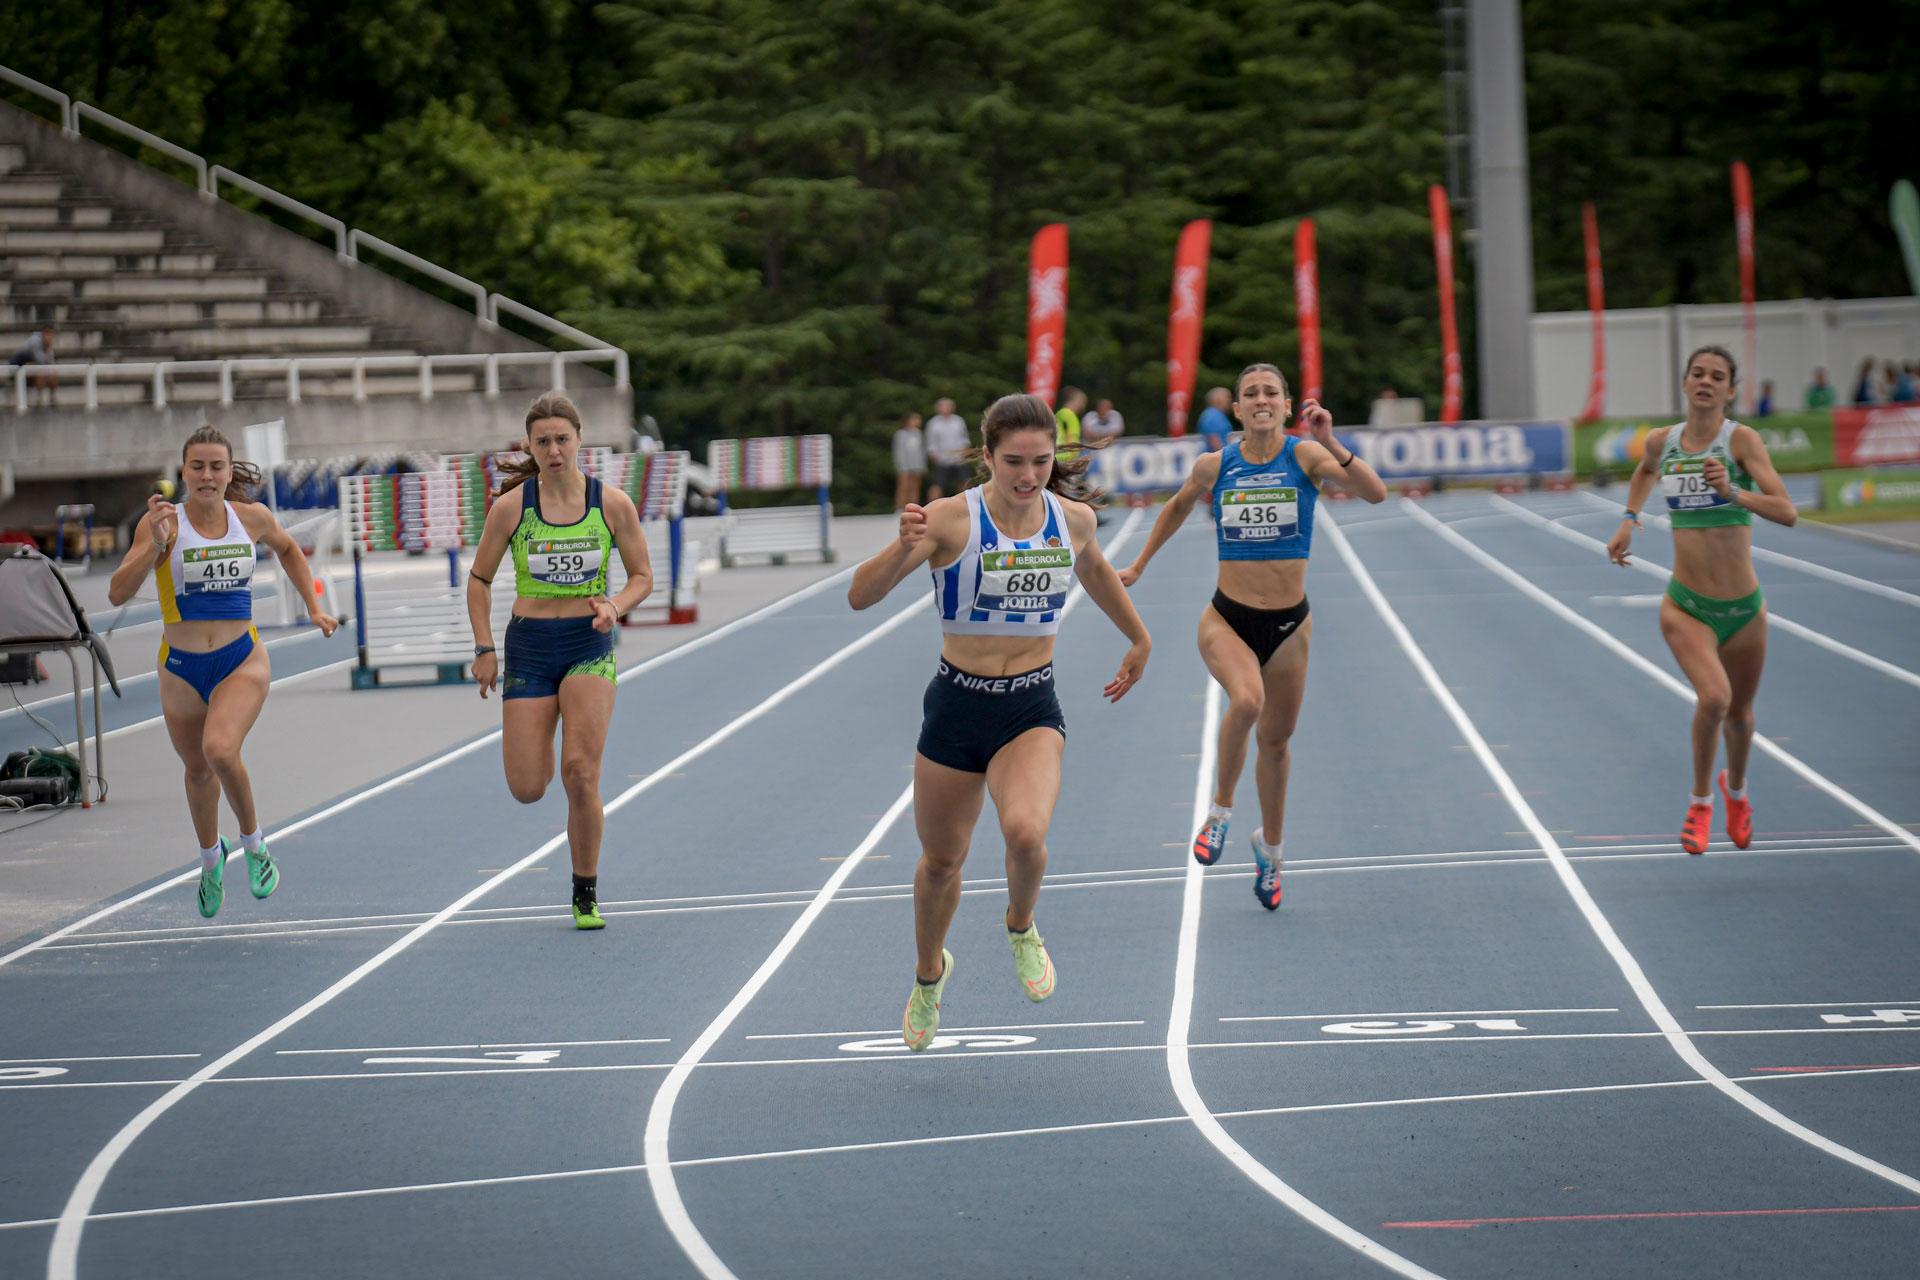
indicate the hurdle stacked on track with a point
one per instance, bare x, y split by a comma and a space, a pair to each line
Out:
657, 483
768, 464
419, 625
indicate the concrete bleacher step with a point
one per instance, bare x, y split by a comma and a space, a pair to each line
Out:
18, 189
76, 265
12, 156
282, 308
226, 339
131, 286
14, 214
82, 240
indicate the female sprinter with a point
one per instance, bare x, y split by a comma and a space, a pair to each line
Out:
1253, 636
562, 528
1004, 556
213, 668
1713, 617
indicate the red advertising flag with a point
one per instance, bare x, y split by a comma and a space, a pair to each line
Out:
1597, 304
1450, 380
1743, 236
1306, 306
1185, 313
1046, 310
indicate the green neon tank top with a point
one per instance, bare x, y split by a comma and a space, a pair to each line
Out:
1691, 502
561, 561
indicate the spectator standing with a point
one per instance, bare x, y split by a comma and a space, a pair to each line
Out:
1820, 391
1863, 383
38, 349
1763, 408
909, 461
1103, 424
1905, 386
1385, 408
1066, 419
947, 444
1214, 423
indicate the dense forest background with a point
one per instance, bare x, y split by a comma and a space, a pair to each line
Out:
814, 216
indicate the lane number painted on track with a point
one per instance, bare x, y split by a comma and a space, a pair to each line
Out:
1884, 1016
495, 1058
1423, 1027
893, 1044
30, 1073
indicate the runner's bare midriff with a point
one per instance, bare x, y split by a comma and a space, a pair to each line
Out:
996, 655
204, 635
1264, 584
1716, 562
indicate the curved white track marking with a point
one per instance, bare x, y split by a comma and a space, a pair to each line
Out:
1774, 617
446, 758
655, 1145
1181, 1017
1650, 1000
1668, 682
63, 1258
1792, 562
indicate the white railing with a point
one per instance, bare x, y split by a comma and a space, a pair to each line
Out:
347, 241
160, 375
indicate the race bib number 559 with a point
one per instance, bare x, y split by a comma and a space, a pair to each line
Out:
1259, 515
564, 562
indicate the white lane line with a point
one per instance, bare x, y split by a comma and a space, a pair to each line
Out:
655, 1141
1669, 683
1829, 1004
1629, 968
467, 1048
1793, 562
63, 1258
1139, 1122
1021, 1026
455, 1069
899, 893
1863, 535
1774, 616
105, 1057
1180, 1020
297, 677
447, 757
306, 634
1444, 1013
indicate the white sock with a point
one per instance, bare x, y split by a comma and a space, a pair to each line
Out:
1741, 794
1217, 814
1273, 848
254, 840
1707, 800
210, 856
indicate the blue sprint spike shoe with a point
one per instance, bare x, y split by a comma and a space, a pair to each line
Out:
1266, 874
213, 887
1211, 842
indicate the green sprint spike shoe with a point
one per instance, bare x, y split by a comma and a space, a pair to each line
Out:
263, 873
922, 1019
213, 888
586, 914
1032, 963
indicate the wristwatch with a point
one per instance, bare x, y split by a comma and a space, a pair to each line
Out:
481, 649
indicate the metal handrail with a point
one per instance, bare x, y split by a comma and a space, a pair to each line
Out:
286, 202
83, 110
357, 237
498, 302
160, 373
48, 92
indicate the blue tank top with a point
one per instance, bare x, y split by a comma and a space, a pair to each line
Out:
1001, 586
1263, 511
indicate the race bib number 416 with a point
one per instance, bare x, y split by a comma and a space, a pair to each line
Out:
1259, 515
1684, 484
222, 567
564, 562
1025, 580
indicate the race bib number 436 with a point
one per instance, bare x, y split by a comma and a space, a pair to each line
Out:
564, 562
222, 567
1684, 484
1259, 515
1025, 580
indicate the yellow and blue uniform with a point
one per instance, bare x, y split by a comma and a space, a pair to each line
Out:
207, 579
557, 562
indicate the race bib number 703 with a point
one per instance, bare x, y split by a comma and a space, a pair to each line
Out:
1683, 483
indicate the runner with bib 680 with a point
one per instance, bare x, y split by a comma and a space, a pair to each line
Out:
1004, 557
1254, 634
1713, 616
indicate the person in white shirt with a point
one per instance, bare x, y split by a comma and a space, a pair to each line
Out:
909, 461
1102, 425
947, 446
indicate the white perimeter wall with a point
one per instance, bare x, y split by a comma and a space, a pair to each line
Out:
1645, 347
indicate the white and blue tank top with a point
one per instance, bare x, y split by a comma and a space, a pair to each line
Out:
1002, 586
1263, 511
202, 578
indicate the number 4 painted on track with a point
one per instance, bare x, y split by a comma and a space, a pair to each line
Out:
1878, 1015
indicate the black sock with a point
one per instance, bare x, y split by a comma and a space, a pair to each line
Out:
586, 888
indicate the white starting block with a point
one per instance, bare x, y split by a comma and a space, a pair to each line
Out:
767, 464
